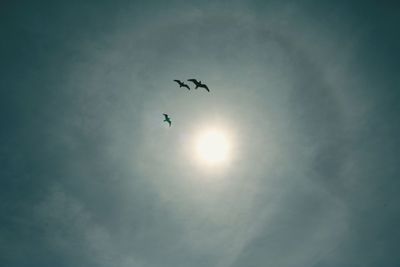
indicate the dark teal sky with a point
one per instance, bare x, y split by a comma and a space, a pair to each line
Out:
90, 176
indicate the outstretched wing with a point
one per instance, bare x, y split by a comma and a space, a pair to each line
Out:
193, 81
178, 81
166, 116
205, 87
187, 86
169, 122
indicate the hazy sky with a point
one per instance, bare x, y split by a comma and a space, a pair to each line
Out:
307, 92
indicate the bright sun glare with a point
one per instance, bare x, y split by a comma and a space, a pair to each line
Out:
213, 147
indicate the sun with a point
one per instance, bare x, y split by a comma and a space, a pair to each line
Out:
213, 147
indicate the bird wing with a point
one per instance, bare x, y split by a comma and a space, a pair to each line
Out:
178, 81
187, 86
166, 116
193, 81
206, 87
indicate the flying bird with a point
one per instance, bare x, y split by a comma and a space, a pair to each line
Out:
199, 84
182, 84
167, 119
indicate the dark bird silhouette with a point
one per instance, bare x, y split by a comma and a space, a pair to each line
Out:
199, 84
182, 84
167, 119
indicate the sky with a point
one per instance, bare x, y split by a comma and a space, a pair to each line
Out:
305, 91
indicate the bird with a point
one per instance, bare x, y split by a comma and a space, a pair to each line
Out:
199, 84
167, 119
182, 84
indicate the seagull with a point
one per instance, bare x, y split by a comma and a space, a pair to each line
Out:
199, 84
167, 119
182, 84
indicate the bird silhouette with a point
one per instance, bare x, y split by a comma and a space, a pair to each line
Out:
182, 84
167, 119
199, 84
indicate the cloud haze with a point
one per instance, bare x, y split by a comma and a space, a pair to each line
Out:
307, 93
